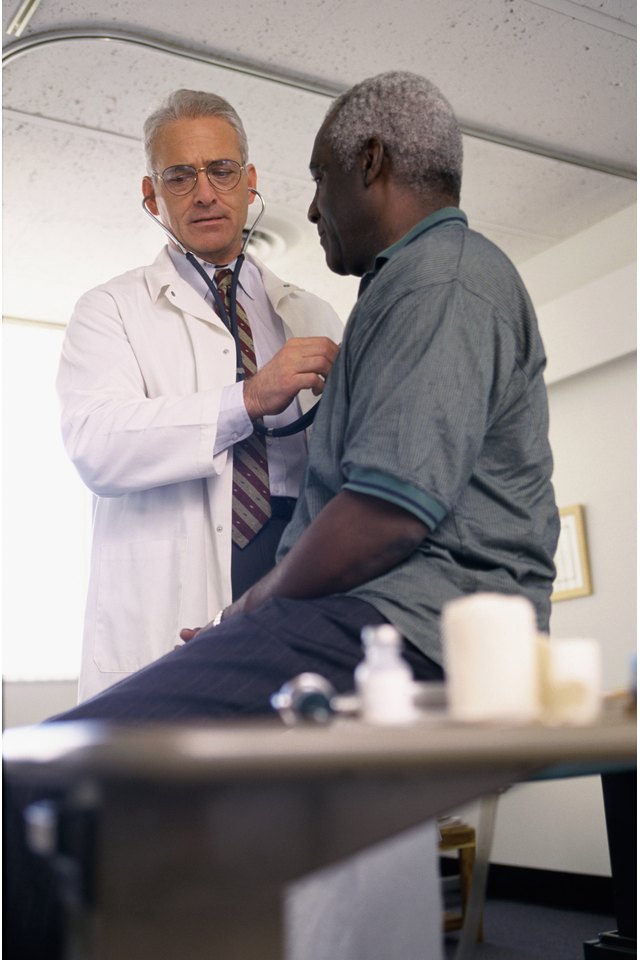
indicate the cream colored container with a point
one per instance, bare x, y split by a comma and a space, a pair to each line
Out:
490, 658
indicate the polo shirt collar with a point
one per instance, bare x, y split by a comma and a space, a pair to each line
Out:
444, 215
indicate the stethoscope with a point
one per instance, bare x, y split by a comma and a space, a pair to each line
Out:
230, 317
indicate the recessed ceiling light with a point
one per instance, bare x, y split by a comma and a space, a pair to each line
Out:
265, 243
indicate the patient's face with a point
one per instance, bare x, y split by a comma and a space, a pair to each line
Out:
337, 208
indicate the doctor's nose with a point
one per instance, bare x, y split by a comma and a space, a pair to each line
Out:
204, 191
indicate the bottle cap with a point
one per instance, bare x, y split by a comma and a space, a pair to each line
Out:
381, 635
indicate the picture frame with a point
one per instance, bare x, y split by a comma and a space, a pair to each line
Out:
573, 570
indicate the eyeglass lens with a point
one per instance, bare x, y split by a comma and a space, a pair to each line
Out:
221, 174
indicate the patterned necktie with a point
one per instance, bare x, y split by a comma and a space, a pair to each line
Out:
250, 505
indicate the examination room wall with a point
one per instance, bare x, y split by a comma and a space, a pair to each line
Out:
592, 407
584, 292
594, 415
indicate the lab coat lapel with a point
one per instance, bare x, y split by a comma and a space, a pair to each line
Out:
164, 281
277, 290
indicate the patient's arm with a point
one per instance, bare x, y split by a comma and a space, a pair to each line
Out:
354, 539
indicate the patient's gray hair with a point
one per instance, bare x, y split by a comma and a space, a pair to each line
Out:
191, 105
413, 120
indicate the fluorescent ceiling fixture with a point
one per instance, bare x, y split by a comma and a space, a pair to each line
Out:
21, 19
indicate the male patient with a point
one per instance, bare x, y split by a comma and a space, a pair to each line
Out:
429, 466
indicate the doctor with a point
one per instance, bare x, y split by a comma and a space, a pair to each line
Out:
153, 418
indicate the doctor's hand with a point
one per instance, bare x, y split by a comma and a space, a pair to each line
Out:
303, 363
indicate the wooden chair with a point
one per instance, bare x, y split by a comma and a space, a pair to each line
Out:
460, 836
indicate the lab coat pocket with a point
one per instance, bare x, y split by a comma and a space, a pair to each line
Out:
138, 603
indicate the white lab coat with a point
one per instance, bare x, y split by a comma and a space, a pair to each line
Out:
142, 369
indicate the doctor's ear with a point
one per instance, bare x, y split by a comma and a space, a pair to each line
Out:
252, 181
149, 194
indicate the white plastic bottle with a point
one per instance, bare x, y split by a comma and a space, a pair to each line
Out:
384, 681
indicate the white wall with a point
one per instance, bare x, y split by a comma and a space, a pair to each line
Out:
593, 433
26, 702
584, 291
559, 825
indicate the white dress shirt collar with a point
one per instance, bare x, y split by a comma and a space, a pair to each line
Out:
249, 274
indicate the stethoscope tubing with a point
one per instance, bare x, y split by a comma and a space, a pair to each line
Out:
230, 318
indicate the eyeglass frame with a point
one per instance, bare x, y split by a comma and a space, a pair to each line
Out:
242, 168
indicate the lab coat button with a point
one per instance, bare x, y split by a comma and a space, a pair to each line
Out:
226, 350
219, 528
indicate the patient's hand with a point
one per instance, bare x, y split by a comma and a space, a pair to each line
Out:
189, 633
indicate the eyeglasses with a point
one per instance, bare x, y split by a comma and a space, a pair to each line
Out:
182, 178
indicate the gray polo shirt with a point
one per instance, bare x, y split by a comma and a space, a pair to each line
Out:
436, 403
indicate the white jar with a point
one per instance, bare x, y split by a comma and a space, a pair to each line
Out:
383, 680
491, 658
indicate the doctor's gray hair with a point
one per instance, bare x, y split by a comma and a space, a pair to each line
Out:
191, 105
413, 120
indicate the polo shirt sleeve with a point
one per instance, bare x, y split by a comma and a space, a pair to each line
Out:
425, 374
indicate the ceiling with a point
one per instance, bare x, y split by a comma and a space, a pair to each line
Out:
545, 91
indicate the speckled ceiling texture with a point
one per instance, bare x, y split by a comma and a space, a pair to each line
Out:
559, 75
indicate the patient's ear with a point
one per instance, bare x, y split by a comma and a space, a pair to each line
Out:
372, 159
